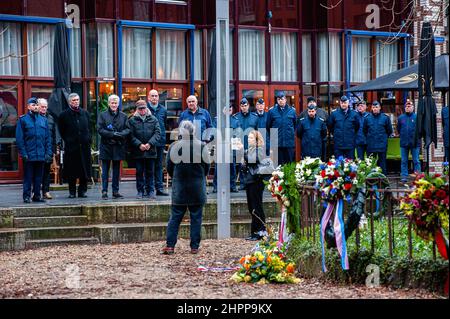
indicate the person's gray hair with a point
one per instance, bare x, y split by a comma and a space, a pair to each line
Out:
42, 100
72, 95
186, 128
113, 97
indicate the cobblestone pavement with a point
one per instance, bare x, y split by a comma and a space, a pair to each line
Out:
140, 271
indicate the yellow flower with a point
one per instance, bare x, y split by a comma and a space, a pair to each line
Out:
247, 278
261, 258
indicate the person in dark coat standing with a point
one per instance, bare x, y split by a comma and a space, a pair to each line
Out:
254, 184
361, 141
312, 131
262, 121
377, 129
188, 164
160, 113
283, 118
343, 124
145, 134
246, 122
406, 127
56, 144
34, 145
113, 130
74, 127
311, 100
445, 131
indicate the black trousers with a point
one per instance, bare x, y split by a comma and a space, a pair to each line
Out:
254, 192
46, 178
82, 186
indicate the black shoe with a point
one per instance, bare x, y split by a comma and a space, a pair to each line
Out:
151, 196
140, 195
27, 200
38, 200
117, 195
72, 196
234, 190
161, 193
82, 195
214, 191
104, 195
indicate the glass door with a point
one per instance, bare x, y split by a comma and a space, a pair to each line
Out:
10, 95
173, 97
252, 92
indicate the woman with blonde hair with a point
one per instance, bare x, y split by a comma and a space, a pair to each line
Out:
254, 183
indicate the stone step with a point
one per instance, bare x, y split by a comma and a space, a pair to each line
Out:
58, 232
47, 211
53, 221
61, 241
146, 232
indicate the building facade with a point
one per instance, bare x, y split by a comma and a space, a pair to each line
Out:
128, 47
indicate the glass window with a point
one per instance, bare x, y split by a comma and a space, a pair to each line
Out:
10, 49
41, 91
136, 48
252, 12
230, 56
40, 39
8, 123
105, 58
198, 55
360, 69
75, 52
387, 57
199, 93
284, 56
170, 55
136, 10
252, 58
172, 99
99, 50
306, 58
329, 55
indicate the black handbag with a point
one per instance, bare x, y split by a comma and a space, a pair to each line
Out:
264, 167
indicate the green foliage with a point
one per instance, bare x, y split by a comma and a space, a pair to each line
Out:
292, 192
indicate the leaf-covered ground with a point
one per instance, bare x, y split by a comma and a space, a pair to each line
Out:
140, 271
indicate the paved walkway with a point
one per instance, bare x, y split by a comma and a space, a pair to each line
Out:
11, 196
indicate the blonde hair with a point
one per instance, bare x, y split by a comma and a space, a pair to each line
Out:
258, 137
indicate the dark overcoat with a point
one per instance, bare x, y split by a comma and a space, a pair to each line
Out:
76, 134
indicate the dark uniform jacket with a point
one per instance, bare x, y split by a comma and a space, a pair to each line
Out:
113, 130
377, 129
74, 128
244, 124
161, 114
361, 137
33, 137
285, 121
312, 132
143, 132
406, 127
344, 127
188, 177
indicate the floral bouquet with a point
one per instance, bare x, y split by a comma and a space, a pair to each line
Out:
337, 179
267, 263
368, 168
427, 206
445, 169
276, 186
306, 169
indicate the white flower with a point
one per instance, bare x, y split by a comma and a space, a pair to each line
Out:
287, 203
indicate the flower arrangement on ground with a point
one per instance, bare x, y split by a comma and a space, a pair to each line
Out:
307, 169
427, 206
267, 263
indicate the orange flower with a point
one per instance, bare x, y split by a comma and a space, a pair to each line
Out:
290, 268
242, 260
253, 259
269, 259
246, 266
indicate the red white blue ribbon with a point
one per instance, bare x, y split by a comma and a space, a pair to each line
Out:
339, 232
323, 225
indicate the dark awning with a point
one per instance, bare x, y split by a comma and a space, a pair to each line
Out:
406, 79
